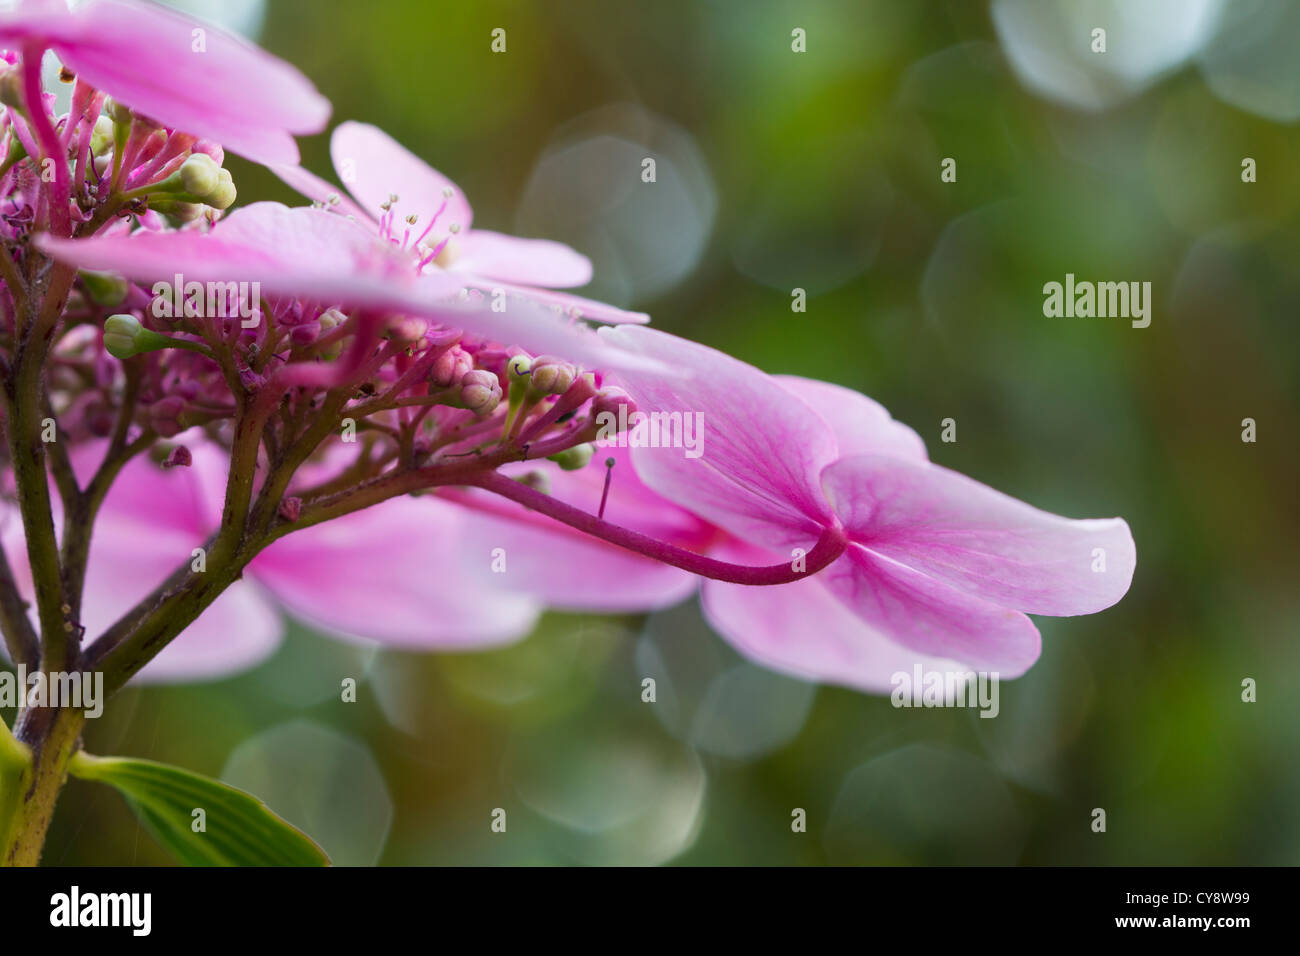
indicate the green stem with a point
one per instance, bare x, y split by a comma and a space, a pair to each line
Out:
36, 766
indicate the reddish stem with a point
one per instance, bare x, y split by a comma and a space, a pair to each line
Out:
51, 146
829, 546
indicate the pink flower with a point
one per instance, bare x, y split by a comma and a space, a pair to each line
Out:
314, 255
569, 570
394, 187
938, 568
416, 573
181, 73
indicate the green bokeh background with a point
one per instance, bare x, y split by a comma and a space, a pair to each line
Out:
926, 296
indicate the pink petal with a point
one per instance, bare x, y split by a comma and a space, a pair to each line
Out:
149, 525
804, 630
928, 616
572, 306
230, 91
311, 186
862, 426
129, 558
538, 262
763, 448
293, 252
374, 167
527, 323
571, 570
943, 524
399, 573
315, 255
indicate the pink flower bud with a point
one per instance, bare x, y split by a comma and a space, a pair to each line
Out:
209, 148
480, 392
551, 375
165, 416
180, 457
305, 334
250, 379
609, 400
450, 367
406, 329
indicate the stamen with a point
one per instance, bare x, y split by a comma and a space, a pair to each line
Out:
604, 495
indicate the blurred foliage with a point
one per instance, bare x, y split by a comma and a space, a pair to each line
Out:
825, 172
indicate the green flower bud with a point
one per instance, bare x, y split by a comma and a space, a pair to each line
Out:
104, 288
11, 88
517, 369
223, 195
120, 335
124, 337
331, 319
101, 140
571, 459
199, 175
178, 211
118, 113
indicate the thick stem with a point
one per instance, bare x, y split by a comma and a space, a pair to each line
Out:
51, 736
27, 455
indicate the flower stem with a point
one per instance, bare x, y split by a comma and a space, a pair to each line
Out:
829, 546
33, 767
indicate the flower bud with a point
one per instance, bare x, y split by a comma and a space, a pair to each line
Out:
480, 392
223, 195
179, 457
250, 379
537, 480
117, 112
152, 146
301, 335
11, 88
450, 367
100, 421
209, 148
329, 320
518, 369
165, 416
104, 288
199, 175
177, 211
122, 335
608, 401
408, 329
571, 459
101, 140
551, 376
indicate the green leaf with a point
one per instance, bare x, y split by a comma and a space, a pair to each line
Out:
240, 830
15, 762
